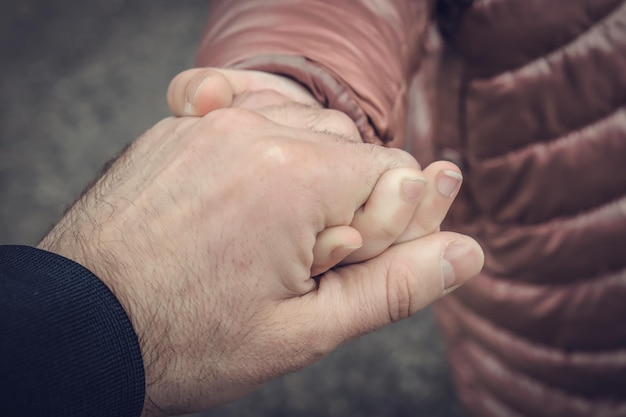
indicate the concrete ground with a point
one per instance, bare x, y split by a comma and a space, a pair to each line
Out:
79, 80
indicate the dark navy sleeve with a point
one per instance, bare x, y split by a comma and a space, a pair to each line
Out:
67, 347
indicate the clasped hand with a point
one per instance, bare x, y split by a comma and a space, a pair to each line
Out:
212, 230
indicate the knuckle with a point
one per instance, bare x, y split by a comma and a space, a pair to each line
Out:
335, 121
400, 158
400, 303
223, 120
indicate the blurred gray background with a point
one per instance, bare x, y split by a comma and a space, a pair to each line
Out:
79, 80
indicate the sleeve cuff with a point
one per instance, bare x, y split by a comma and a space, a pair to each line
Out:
68, 348
324, 87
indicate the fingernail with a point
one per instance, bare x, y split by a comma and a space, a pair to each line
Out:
343, 251
455, 257
411, 189
188, 110
448, 182
193, 89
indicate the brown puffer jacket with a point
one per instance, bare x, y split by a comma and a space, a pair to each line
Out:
528, 97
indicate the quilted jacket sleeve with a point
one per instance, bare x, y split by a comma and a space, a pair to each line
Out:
355, 56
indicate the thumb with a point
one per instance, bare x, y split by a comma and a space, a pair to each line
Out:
360, 298
198, 92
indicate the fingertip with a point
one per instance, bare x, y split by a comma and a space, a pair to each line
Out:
461, 259
208, 92
411, 188
199, 91
333, 244
449, 182
339, 253
396, 284
173, 93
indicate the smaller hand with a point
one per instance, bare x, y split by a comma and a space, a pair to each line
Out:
406, 203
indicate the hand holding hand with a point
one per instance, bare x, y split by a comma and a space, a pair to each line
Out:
205, 230
405, 204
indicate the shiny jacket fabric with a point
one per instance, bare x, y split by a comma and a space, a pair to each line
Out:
528, 97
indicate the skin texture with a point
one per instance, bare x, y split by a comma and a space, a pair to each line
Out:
404, 206
205, 230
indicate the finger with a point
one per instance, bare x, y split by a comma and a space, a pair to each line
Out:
332, 245
198, 91
360, 298
260, 99
302, 116
338, 174
443, 183
388, 211
347, 174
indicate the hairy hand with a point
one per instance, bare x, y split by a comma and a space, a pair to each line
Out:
205, 230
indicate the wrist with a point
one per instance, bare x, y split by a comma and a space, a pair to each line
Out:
328, 90
68, 239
